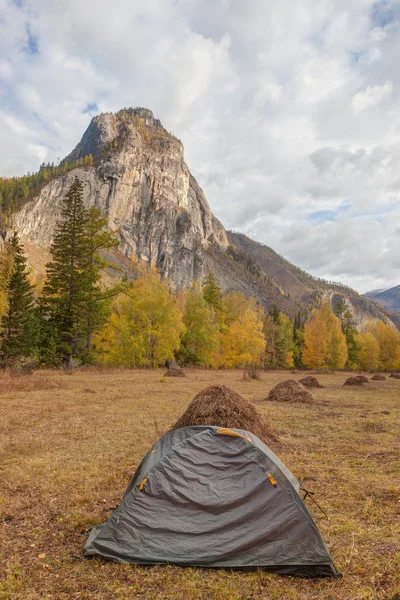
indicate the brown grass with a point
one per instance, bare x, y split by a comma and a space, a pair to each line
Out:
219, 405
27, 383
310, 382
67, 455
175, 372
378, 377
290, 391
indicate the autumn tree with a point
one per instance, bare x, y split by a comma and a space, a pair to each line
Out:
324, 342
368, 352
242, 341
349, 329
145, 326
388, 339
200, 339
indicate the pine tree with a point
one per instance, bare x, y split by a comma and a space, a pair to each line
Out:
6, 267
17, 337
72, 298
212, 292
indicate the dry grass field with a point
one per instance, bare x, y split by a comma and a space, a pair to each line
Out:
69, 444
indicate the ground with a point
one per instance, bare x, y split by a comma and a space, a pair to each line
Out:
70, 443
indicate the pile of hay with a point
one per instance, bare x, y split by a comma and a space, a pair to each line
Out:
310, 382
290, 391
378, 377
175, 372
395, 375
220, 406
355, 380
295, 372
363, 378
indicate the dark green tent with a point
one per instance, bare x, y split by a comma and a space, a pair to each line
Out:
213, 497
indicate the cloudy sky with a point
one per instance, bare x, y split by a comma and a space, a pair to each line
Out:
289, 111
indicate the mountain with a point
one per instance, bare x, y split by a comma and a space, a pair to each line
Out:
390, 298
134, 171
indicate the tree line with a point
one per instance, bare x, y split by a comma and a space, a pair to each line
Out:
72, 315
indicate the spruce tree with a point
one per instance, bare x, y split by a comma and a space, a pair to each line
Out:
72, 298
212, 293
17, 337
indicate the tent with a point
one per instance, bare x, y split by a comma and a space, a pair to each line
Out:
213, 497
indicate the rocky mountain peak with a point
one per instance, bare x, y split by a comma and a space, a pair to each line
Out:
139, 179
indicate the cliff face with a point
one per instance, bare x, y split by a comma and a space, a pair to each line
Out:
137, 176
142, 183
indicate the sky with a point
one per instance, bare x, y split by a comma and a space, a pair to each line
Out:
289, 111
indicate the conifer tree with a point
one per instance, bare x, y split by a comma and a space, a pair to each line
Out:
212, 292
17, 337
72, 299
6, 267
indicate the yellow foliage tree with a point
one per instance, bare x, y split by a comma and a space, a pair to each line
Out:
242, 340
145, 326
324, 342
368, 354
389, 345
200, 340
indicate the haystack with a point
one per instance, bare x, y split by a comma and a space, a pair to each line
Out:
354, 381
378, 377
219, 405
175, 372
395, 375
310, 382
295, 372
363, 378
290, 391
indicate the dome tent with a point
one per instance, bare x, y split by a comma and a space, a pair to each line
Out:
213, 497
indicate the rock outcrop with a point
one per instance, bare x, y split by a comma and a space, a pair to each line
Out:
142, 183
134, 171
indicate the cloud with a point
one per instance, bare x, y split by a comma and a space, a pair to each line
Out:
371, 97
289, 112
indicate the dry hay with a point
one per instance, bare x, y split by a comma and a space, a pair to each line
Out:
290, 391
395, 375
355, 380
33, 383
363, 378
220, 406
175, 372
310, 382
295, 372
378, 377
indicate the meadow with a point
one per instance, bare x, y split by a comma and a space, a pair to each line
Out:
70, 443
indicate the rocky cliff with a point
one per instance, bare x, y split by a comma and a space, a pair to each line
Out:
140, 180
134, 171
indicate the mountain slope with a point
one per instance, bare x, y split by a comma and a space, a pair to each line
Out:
134, 171
390, 298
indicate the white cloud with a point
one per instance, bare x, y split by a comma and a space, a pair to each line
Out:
371, 96
289, 112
